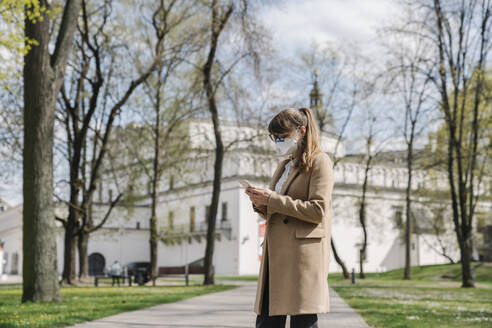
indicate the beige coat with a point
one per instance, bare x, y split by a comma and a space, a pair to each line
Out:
297, 235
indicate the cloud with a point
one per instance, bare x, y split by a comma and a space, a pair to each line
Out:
297, 23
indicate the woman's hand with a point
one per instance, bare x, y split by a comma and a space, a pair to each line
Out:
259, 196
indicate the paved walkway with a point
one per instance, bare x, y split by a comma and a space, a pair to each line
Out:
232, 308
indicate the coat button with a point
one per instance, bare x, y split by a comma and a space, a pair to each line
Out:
286, 220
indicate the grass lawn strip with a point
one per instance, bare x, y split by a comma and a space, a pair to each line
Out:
82, 304
410, 306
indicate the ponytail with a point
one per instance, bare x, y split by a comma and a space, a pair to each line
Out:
310, 145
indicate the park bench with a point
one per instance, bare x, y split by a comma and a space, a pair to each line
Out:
179, 271
100, 276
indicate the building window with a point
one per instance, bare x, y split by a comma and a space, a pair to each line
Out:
192, 218
5, 261
149, 187
398, 218
224, 211
100, 191
15, 264
131, 188
481, 216
138, 225
110, 195
207, 214
171, 182
170, 220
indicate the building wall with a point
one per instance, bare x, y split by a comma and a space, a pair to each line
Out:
385, 249
249, 247
124, 246
11, 235
226, 251
238, 253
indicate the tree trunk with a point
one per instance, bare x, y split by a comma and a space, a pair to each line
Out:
209, 251
82, 243
362, 219
408, 226
43, 75
154, 237
71, 237
40, 266
466, 270
346, 274
219, 157
217, 24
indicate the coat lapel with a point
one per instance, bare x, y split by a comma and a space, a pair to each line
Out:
278, 174
292, 175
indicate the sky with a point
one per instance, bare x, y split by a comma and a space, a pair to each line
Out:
297, 23
294, 25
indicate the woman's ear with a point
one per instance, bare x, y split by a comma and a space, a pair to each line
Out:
302, 129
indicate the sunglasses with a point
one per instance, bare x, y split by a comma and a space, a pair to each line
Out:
275, 138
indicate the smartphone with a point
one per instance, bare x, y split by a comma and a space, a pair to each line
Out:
245, 183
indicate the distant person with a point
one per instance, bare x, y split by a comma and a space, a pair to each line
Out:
297, 208
115, 272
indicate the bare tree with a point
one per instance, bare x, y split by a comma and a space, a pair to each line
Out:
175, 15
374, 141
339, 87
406, 61
239, 15
94, 50
460, 35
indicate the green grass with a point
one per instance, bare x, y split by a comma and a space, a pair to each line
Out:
80, 304
430, 274
410, 306
428, 300
239, 278
5, 285
383, 299
423, 274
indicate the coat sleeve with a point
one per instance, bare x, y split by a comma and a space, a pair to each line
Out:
320, 189
261, 210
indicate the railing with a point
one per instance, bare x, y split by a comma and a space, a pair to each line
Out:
179, 232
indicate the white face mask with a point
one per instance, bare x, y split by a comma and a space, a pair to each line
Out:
286, 146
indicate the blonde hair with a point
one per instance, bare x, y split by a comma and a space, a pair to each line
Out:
288, 120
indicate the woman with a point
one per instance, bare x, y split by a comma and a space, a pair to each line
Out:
297, 207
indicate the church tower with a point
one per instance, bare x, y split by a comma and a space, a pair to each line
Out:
315, 96
316, 104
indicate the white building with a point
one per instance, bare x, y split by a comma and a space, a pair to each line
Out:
185, 195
